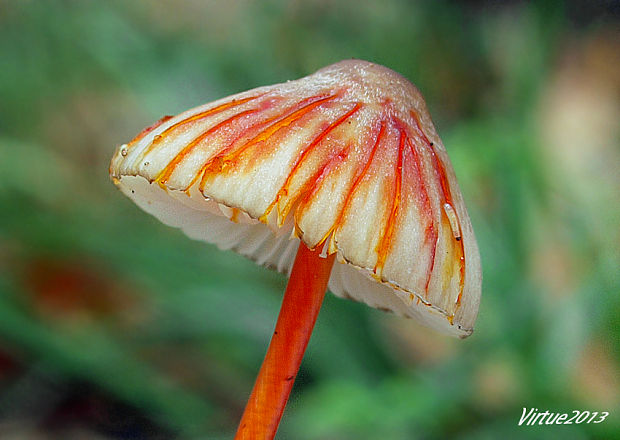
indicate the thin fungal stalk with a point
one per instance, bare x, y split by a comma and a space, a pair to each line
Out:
300, 307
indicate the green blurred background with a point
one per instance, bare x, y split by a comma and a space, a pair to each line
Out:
114, 326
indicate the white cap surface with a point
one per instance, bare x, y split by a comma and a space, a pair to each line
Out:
346, 159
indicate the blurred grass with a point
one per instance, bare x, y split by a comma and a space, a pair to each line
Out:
92, 290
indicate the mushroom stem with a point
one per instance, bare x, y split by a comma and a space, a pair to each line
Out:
301, 304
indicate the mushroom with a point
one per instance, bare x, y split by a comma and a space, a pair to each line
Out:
344, 164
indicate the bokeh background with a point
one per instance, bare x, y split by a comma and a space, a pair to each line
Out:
113, 326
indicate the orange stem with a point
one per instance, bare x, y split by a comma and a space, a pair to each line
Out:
300, 307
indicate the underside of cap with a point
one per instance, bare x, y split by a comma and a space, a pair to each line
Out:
347, 160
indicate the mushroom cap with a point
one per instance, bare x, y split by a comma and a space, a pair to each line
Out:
346, 159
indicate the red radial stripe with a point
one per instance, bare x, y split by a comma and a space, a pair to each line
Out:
445, 187
430, 233
306, 151
386, 239
149, 129
216, 163
210, 112
314, 184
360, 176
163, 177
